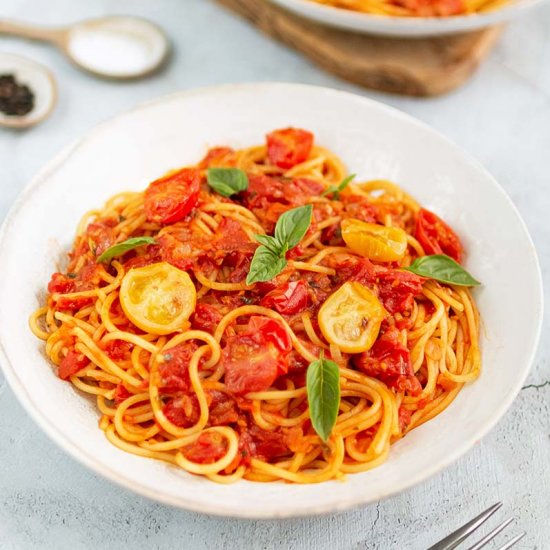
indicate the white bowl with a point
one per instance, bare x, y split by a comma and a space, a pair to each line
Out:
405, 26
375, 141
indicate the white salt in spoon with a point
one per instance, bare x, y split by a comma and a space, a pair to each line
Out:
120, 47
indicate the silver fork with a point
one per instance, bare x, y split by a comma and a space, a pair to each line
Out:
462, 533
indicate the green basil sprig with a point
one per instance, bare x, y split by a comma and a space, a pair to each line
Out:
269, 259
125, 246
335, 190
442, 268
323, 394
227, 181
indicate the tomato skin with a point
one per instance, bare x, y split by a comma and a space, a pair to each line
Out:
121, 394
174, 368
117, 349
72, 363
436, 237
171, 198
208, 448
389, 361
360, 208
254, 358
101, 236
61, 284
218, 157
223, 409
288, 147
288, 299
68, 303
397, 289
183, 410
206, 317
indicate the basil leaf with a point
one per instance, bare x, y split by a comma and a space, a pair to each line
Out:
121, 248
323, 394
269, 242
293, 225
335, 190
227, 181
442, 268
266, 264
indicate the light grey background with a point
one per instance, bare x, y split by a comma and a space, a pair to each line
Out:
502, 116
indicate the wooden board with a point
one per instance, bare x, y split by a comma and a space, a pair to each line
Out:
418, 67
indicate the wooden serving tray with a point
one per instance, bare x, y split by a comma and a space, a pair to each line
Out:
417, 66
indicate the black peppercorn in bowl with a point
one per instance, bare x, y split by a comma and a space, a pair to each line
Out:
27, 91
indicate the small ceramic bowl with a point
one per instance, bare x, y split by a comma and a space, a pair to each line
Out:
41, 82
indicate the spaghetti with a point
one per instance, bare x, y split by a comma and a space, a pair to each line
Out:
416, 8
192, 365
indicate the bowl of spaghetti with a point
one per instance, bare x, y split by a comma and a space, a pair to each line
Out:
409, 18
264, 312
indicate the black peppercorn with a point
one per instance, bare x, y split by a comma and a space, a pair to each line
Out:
15, 99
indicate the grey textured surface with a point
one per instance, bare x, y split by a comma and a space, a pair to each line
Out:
502, 116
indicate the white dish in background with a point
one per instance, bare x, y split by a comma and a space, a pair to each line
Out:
375, 141
405, 26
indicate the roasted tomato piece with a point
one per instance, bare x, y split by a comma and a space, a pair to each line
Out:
351, 318
267, 445
223, 409
436, 237
61, 284
374, 241
218, 157
121, 394
183, 410
288, 299
389, 361
397, 289
71, 364
100, 236
358, 207
118, 349
207, 449
158, 298
73, 303
174, 368
254, 358
171, 198
288, 147
206, 317
230, 236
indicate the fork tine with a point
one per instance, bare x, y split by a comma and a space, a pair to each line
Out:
490, 536
512, 542
456, 537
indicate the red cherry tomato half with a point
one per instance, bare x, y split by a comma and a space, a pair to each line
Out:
288, 147
253, 359
171, 198
288, 299
436, 237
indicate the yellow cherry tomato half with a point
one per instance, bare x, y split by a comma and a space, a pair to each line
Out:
158, 298
351, 318
375, 242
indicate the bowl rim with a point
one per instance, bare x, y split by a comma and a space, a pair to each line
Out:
182, 501
404, 26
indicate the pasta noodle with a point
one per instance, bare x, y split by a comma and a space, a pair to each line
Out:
416, 8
